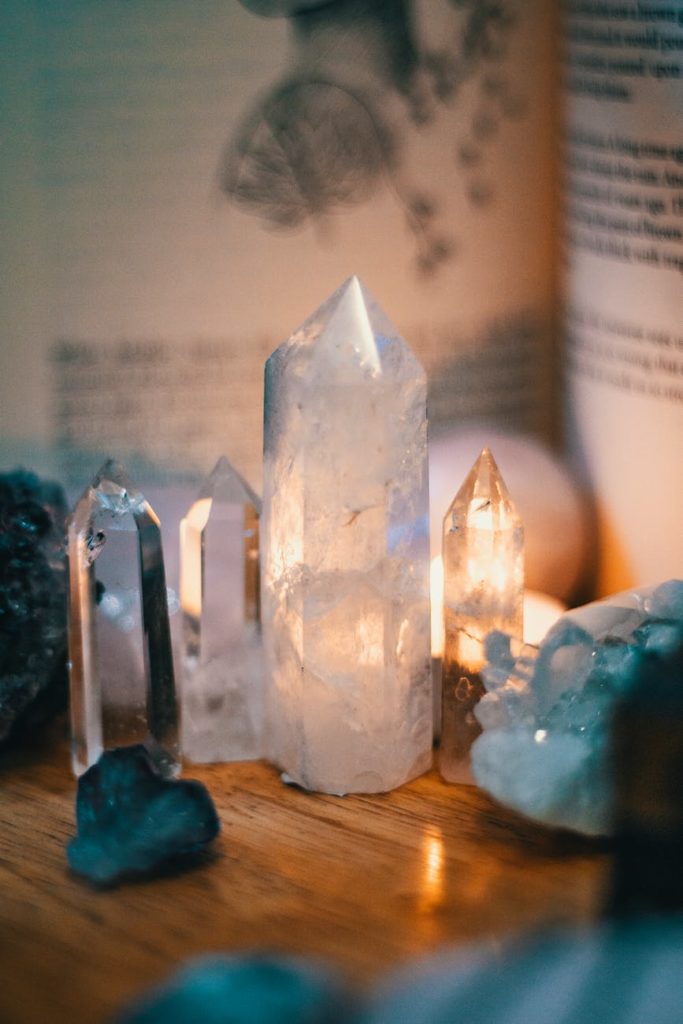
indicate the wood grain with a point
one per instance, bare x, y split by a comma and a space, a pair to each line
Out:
363, 881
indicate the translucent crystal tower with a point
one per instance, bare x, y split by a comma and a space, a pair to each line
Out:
121, 666
222, 684
346, 553
483, 556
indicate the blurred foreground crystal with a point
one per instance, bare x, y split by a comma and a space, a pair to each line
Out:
235, 988
222, 686
547, 714
483, 557
646, 753
121, 667
346, 553
613, 974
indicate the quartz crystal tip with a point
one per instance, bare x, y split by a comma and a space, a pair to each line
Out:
113, 491
349, 328
349, 331
113, 471
483, 501
225, 484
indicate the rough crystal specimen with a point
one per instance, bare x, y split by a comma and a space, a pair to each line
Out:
255, 988
131, 820
122, 682
483, 559
547, 714
346, 554
33, 587
222, 684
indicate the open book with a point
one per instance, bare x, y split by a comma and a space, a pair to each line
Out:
186, 182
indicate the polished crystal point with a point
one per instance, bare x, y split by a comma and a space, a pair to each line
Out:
346, 552
222, 684
483, 556
121, 666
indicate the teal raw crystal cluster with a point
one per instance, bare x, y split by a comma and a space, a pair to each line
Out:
131, 821
33, 585
548, 712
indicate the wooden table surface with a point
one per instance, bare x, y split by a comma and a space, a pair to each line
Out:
364, 882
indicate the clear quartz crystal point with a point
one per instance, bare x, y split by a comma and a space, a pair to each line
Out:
222, 684
121, 665
483, 556
346, 552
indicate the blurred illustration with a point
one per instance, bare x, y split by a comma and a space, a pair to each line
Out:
332, 129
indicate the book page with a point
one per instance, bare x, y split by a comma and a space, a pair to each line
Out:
185, 183
624, 246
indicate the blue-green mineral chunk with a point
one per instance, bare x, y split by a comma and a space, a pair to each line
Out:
131, 821
249, 989
548, 718
33, 586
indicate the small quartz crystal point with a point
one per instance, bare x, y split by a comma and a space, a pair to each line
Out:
483, 556
222, 684
132, 821
121, 665
345, 585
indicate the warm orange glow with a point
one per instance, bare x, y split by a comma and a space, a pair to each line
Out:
432, 868
370, 634
541, 611
436, 588
190, 563
471, 651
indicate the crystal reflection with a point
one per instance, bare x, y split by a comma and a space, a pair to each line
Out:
431, 869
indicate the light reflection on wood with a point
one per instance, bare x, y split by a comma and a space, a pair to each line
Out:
362, 881
432, 853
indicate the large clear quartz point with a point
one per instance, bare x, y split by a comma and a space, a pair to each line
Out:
121, 665
346, 555
222, 684
483, 559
